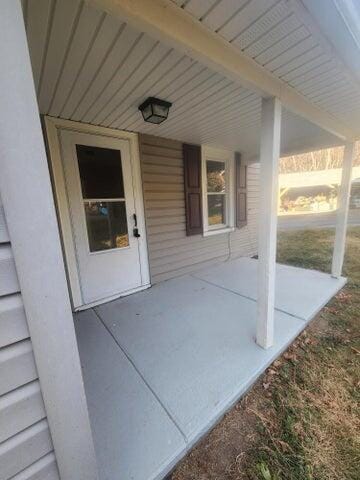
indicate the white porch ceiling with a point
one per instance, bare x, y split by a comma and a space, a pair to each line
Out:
91, 67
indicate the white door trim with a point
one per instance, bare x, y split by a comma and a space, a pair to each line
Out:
52, 127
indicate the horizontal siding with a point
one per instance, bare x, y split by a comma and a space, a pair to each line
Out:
13, 325
20, 408
4, 234
17, 366
43, 469
171, 252
189, 269
191, 261
26, 451
163, 150
24, 448
8, 277
176, 248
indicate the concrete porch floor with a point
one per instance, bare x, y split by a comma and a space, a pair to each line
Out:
162, 366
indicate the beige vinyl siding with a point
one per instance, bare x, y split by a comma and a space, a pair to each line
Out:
26, 450
171, 252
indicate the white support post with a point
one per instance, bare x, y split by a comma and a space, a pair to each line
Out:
31, 219
269, 161
342, 211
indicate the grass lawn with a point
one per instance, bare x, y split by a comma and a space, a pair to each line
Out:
301, 421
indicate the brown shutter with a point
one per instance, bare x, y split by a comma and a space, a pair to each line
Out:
241, 192
192, 183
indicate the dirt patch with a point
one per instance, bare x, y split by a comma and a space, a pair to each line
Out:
220, 454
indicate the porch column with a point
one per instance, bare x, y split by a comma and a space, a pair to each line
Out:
342, 211
30, 214
269, 160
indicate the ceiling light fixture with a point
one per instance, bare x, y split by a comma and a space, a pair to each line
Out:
155, 110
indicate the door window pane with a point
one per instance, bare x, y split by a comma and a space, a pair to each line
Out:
215, 173
100, 172
106, 225
216, 209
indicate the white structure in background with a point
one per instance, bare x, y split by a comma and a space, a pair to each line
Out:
313, 178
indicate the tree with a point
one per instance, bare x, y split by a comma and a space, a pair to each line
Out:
317, 160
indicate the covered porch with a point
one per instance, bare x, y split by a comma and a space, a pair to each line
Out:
162, 366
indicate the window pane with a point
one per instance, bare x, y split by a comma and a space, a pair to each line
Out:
215, 172
216, 210
106, 225
100, 172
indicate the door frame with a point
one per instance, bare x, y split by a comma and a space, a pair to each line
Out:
52, 128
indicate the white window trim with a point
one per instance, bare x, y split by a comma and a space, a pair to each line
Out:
217, 154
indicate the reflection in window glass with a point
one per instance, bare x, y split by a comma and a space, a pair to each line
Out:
100, 172
106, 225
215, 173
216, 192
216, 209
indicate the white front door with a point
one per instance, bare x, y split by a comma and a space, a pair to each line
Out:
99, 179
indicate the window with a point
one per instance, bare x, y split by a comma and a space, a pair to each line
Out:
215, 187
103, 197
218, 192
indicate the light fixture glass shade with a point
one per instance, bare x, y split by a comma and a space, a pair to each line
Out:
147, 112
160, 110
155, 110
